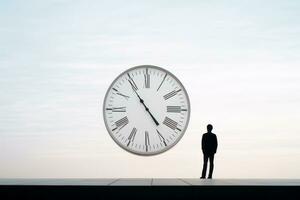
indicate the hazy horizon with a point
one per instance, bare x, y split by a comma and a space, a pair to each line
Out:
238, 60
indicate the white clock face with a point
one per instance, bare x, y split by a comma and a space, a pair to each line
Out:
146, 110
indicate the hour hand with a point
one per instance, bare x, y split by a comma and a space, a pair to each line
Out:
133, 88
142, 101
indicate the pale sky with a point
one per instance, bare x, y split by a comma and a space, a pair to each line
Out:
238, 60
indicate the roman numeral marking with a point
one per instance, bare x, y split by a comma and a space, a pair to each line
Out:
117, 109
132, 136
121, 123
171, 94
162, 82
119, 93
132, 83
147, 141
171, 123
175, 109
161, 138
147, 79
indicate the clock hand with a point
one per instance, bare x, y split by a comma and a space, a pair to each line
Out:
142, 101
155, 121
147, 109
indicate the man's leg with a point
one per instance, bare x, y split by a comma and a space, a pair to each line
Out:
205, 159
211, 165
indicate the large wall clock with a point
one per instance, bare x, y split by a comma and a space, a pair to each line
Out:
146, 110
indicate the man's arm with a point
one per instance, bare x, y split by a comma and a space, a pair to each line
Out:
202, 143
216, 143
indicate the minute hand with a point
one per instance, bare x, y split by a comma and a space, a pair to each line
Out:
147, 109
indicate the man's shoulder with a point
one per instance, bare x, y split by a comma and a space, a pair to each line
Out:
209, 135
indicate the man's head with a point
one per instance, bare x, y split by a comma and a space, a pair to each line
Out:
209, 128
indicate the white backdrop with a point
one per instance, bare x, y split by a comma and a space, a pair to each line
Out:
238, 60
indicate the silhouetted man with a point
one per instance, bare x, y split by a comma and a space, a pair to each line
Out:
209, 148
